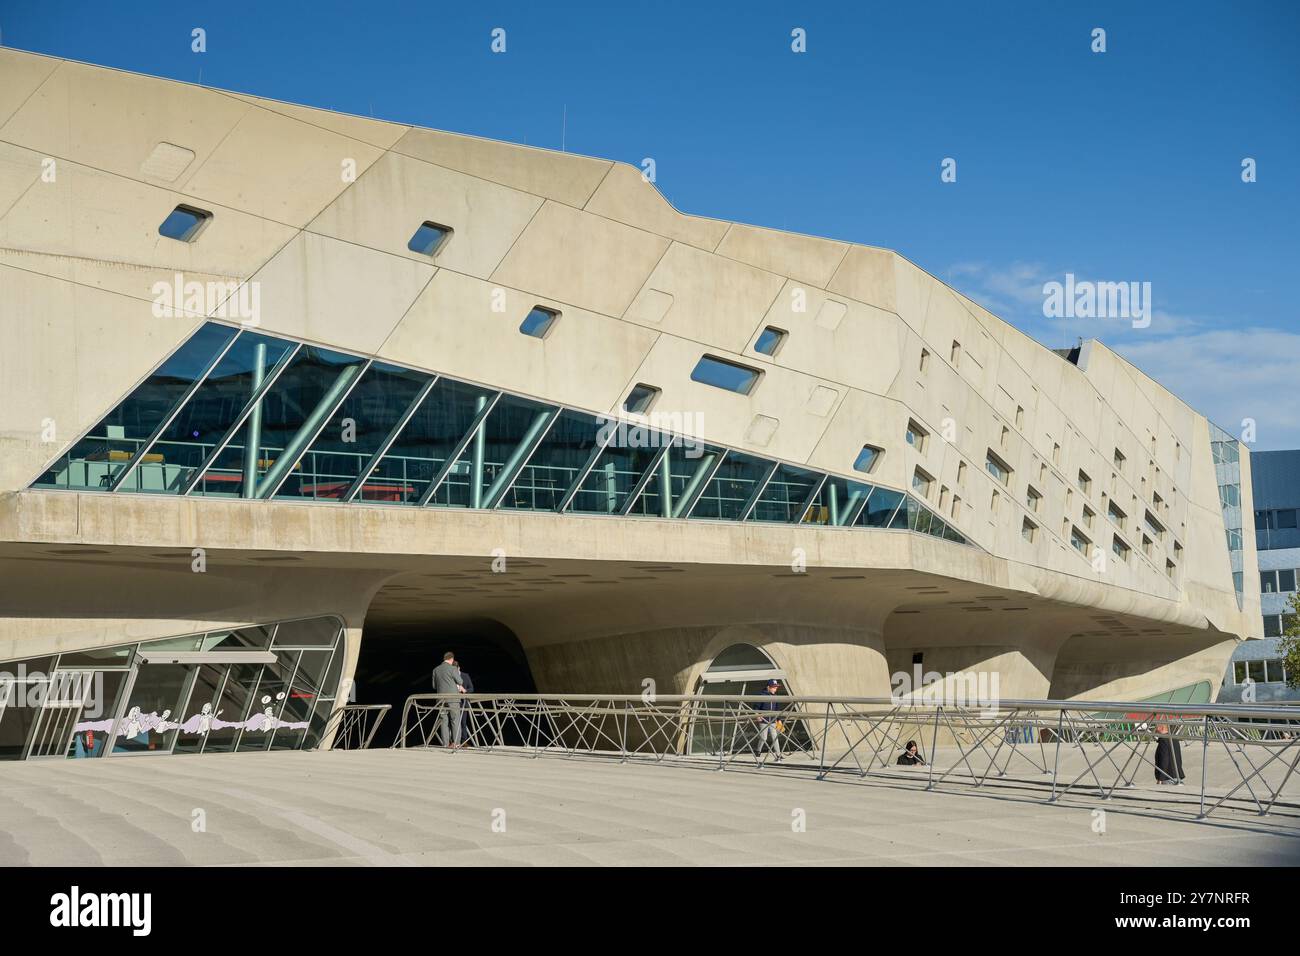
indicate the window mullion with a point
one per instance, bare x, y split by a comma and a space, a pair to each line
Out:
387, 443
301, 443
459, 449
233, 430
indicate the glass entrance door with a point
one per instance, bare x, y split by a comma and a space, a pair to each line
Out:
200, 719
739, 670
152, 712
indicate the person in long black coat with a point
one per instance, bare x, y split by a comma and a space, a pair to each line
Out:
1169, 757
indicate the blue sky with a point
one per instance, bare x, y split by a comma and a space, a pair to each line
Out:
1115, 166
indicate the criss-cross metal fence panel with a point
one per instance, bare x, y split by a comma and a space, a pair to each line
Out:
353, 726
1096, 748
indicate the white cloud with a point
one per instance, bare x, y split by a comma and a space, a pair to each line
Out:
1006, 291
1227, 374
1015, 293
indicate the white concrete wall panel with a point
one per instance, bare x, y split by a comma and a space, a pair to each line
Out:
336, 293
564, 177
626, 197
573, 256
70, 354
716, 301
99, 229
110, 120
453, 328
803, 258
279, 168
398, 194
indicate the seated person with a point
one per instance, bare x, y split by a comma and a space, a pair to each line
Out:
910, 756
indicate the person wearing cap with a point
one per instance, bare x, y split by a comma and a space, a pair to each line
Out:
768, 732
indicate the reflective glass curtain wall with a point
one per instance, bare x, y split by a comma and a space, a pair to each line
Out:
1227, 472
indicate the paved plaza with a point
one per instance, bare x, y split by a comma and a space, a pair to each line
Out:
433, 807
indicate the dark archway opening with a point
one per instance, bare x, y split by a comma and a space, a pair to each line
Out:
397, 661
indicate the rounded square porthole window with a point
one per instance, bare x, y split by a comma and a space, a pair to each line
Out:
538, 322
722, 373
867, 458
770, 341
184, 223
640, 399
429, 239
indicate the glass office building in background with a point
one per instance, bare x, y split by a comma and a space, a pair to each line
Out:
1275, 478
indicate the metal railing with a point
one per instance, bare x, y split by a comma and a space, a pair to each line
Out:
353, 726
1238, 756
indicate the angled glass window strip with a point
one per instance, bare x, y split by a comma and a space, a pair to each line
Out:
250, 415
508, 432
288, 414
198, 426
786, 496
618, 471
837, 502
97, 459
880, 508
721, 373
408, 468
728, 493
558, 461
357, 429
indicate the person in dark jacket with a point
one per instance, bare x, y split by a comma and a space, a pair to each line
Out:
910, 756
447, 680
468, 683
769, 733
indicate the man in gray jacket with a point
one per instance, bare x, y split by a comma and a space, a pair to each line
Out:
447, 680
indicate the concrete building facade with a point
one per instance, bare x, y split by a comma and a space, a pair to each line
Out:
268, 364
